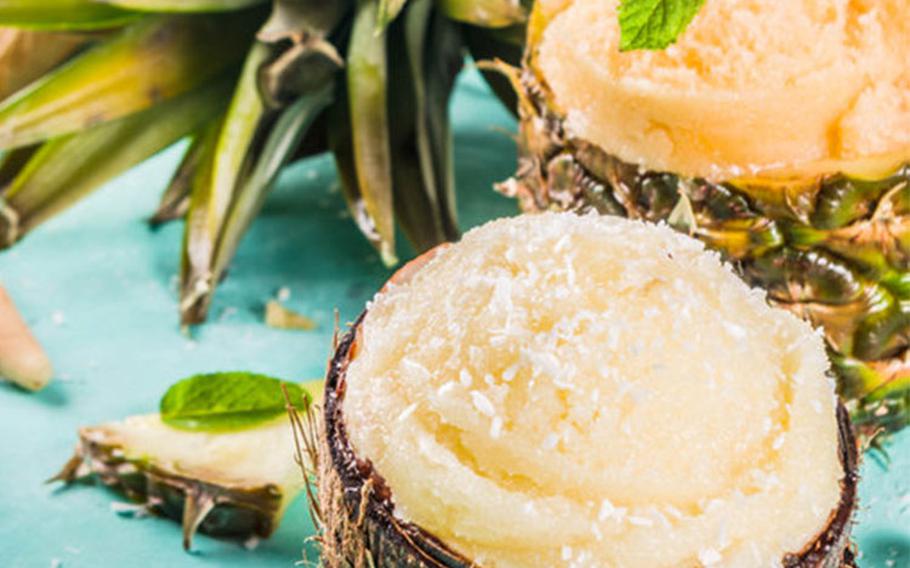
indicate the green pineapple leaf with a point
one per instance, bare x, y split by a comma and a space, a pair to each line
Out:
421, 74
69, 167
148, 63
214, 189
388, 11
485, 13
189, 6
654, 24
277, 150
341, 146
175, 200
63, 14
367, 72
235, 400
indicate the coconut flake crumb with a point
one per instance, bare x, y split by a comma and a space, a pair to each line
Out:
132, 510
252, 543
709, 557
407, 412
482, 403
550, 441
496, 427
608, 512
416, 368
641, 521
778, 443
673, 512
737, 331
446, 388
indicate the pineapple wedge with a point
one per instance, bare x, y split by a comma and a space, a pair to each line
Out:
788, 154
234, 484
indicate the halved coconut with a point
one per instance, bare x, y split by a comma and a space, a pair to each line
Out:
559, 390
235, 484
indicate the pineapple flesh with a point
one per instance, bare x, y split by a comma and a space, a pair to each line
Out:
224, 483
776, 132
558, 390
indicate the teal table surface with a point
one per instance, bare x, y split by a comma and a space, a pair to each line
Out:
99, 290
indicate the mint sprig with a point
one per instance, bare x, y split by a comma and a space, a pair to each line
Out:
218, 402
654, 24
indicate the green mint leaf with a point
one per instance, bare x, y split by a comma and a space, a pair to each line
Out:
227, 401
654, 24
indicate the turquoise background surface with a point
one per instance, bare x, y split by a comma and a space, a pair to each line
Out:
99, 290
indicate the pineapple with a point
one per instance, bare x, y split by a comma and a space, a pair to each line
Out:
772, 152
91, 87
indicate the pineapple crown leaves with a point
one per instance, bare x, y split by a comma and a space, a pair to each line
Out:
226, 401
654, 24
294, 78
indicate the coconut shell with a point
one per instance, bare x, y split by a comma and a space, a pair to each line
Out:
201, 500
360, 528
358, 514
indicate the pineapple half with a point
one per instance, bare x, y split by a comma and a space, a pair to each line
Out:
235, 484
587, 391
778, 133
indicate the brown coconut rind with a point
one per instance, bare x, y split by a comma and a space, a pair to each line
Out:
202, 500
358, 515
360, 528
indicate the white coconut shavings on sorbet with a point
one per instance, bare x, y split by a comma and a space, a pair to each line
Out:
594, 391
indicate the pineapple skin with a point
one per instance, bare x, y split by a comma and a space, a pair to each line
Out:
833, 248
